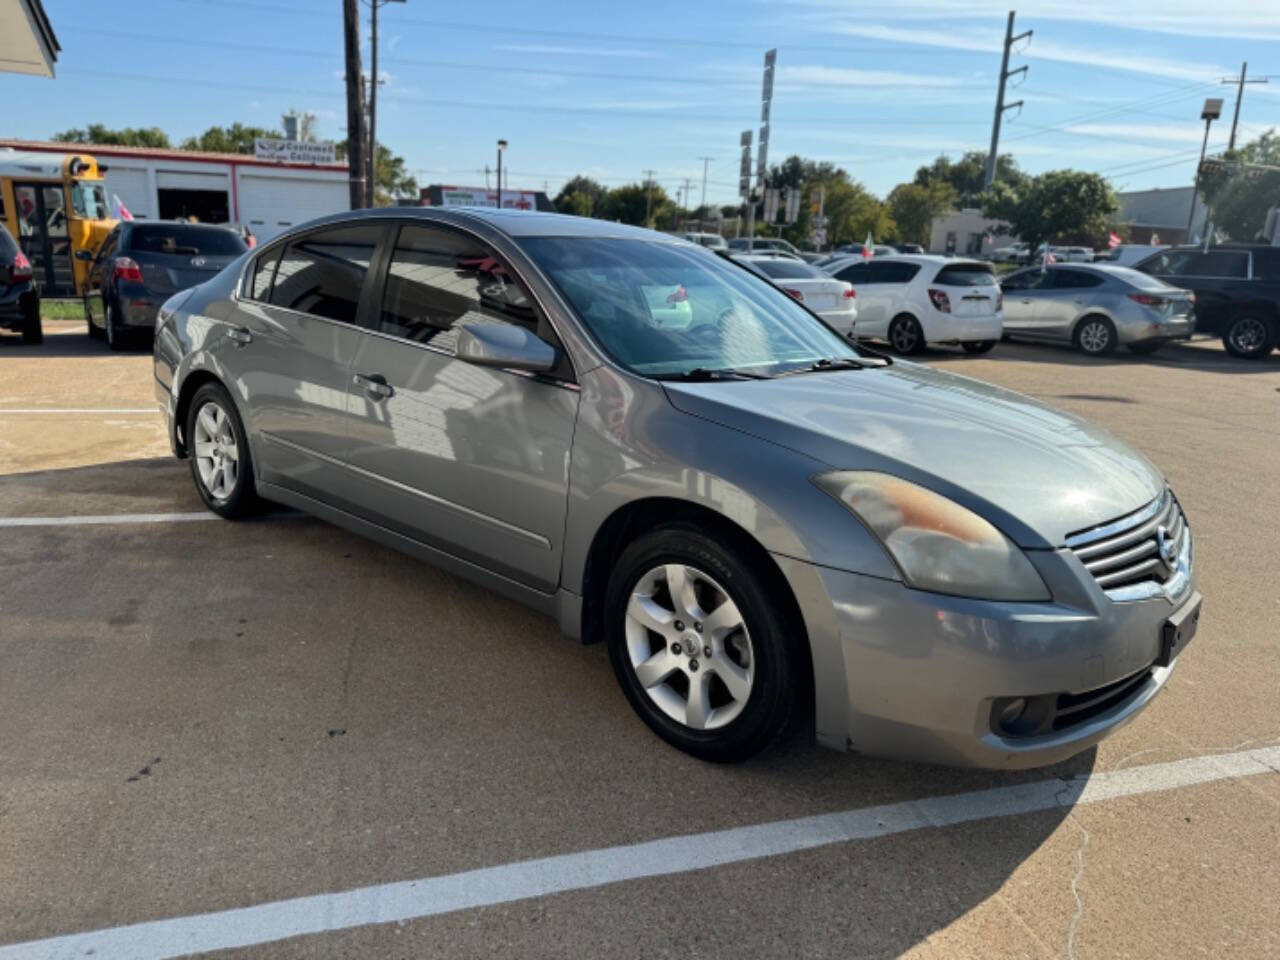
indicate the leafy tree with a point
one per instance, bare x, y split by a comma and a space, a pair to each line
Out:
1238, 197
236, 138
1058, 205
851, 210
125, 137
581, 196
627, 204
914, 206
392, 179
967, 174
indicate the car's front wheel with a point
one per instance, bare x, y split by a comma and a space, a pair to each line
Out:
700, 645
905, 335
219, 452
1248, 338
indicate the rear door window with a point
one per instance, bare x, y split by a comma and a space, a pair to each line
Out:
1266, 264
262, 274
1218, 263
323, 273
895, 272
965, 275
1074, 280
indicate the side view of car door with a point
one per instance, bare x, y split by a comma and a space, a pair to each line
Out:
470, 459
1065, 296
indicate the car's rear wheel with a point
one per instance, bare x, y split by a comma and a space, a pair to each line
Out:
1095, 335
219, 452
905, 335
700, 645
115, 336
1248, 338
978, 346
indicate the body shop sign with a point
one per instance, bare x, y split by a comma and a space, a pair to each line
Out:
479, 197
293, 151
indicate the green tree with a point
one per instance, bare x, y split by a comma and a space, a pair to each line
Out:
581, 196
125, 137
236, 138
967, 174
913, 208
627, 204
1238, 197
1059, 205
391, 178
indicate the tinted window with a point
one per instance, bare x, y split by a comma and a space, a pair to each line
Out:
1074, 279
438, 279
787, 270
1218, 263
855, 273
965, 275
896, 272
1266, 263
1023, 280
185, 239
323, 272
264, 270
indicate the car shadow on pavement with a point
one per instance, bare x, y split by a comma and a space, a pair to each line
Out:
74, 342
1207, 356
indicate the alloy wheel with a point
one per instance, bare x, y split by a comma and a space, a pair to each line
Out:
1247, 335
903, 337
689, 647
215, 450
1095, 337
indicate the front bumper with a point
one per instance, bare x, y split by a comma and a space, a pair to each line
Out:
168, 410
911, 674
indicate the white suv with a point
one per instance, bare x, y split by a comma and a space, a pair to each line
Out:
916, 300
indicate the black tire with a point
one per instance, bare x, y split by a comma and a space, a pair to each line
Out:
775, 697
1094, 335
978, 346
1146, 348
33, 329
242, 499
905, 335
116, 338
1249, 337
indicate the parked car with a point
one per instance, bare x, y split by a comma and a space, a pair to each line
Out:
19, 296
1095, 307
914, 301
767, 526
1128, 254
1014, 253
142, 264
832, 300
1237, 290
910, 248
1077, 255
712, 240
767, 245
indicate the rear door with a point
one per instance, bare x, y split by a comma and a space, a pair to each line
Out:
471, 460
288, 348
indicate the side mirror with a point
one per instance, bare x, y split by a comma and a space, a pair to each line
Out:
85, 255
504, 345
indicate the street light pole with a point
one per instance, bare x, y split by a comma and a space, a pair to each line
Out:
502, 145
373, 98
705, 161
1211, 112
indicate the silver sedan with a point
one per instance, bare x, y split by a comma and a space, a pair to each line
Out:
767, 526
1095, 307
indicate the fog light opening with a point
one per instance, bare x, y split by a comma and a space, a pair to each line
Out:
1010, 715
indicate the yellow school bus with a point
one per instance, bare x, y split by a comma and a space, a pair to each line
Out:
55, 206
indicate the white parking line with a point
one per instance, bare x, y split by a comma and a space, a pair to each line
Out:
414, 899
25, 411
107, 518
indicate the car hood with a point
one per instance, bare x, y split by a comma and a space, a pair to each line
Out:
1037, 473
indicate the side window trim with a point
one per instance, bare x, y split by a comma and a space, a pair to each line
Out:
297, 238
246, 282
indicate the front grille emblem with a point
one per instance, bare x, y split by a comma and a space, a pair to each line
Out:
1168, 548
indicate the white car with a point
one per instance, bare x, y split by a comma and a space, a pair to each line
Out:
913, 301
832, 300
712, 240
1127, 254
1077, 255
1015, 253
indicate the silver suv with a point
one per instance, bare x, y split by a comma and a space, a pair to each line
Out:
768, 526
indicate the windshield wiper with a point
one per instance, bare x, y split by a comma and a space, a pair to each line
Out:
705, 374
836, 363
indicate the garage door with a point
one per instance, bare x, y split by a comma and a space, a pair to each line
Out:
130, 185
271, 205
182, 180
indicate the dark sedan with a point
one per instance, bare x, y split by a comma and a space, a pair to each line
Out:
19, 298
141, 265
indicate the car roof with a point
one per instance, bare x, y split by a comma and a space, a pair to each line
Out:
514, 223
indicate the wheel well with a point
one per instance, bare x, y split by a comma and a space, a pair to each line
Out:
189, 387
1091, 315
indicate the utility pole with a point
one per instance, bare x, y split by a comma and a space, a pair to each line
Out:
648, 194
373, 96
1240, 81
1001, 106
684, 210
705, 161
356, 165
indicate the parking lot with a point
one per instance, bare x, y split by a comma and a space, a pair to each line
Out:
273, 738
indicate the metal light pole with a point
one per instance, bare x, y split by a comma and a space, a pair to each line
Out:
705, 161
373, 98
1211, 112
502, 146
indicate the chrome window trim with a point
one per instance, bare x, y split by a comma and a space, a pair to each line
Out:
529, 535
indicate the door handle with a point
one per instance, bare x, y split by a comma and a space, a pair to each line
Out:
374, 384
240, 335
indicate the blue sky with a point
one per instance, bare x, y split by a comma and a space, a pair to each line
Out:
612, 89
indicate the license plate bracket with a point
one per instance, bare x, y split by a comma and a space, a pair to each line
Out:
1178, 630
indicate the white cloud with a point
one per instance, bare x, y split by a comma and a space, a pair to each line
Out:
1131, 132
853, 77
582, 51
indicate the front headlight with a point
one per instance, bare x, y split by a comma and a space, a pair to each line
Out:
937, 544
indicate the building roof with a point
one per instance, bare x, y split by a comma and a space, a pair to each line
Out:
27, 41
159, 153
1165, 208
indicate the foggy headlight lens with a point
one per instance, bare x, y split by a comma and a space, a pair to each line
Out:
937, 544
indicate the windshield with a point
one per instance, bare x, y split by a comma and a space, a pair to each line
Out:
186, 239
966, 275
89, 200
666, 309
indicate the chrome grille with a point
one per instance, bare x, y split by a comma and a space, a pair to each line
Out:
1144, 548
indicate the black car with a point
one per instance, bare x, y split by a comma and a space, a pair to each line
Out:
19, 298
1237, 290
142, 264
